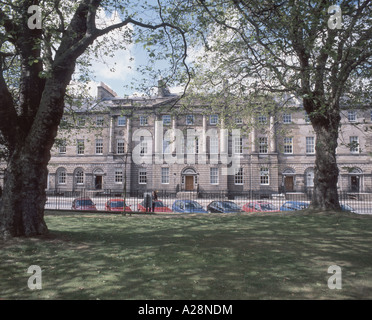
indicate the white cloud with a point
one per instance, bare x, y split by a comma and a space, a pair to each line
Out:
118, 64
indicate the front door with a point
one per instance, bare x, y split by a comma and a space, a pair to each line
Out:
98, 182
354, 183
189, 183
288, 183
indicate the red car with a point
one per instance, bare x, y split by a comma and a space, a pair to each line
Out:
159, 207
117, 205
83, 204
259, 206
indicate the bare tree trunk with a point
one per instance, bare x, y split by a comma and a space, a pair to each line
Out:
24, 197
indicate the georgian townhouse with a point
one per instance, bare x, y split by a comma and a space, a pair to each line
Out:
153, 144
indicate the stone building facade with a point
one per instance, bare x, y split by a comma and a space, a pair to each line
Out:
147, 144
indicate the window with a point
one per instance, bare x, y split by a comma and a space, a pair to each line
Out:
264, 176
354, 144
62, 146
262, 145
287, 118
238, 177
189, 119
166, 146
79, 176
143, 120
238, 145
262, 119
81, 122
310, 178
307, 118
164, 175
80, 146
142, 176
61, 176
213, 119
118, 176
352, 116
213, 147
238, 121
99, 146
99, 121
214, 175
143, 146
120, 146
288, 145
310, 145
166, 119
122, 120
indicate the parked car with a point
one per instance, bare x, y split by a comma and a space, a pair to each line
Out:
117, 205
260, 206
293, 206
223, 207
345, 207
83, 203
187, 206
159, 207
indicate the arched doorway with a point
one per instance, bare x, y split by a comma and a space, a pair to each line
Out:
355, 178
98, 179
289, 180
189, 179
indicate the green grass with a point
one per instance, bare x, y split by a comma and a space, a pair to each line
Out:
272, 256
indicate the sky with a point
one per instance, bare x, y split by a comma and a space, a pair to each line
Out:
119, 71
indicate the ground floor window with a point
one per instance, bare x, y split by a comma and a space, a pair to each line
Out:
264, 176
238, 177
142, 176
118, 176
164, 175
79, 176
214, 175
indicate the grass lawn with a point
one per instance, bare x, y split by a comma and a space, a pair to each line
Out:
211, 256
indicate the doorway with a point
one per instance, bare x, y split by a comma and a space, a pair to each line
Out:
189, 183
289, 183
354, 183
98, 182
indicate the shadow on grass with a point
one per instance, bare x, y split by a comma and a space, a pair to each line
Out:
282, 256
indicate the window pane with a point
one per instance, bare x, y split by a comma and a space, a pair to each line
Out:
288, 145
166, 119
99, 146
310, 145
165, 175
238, 178
287, 118
142, 176
118, 176
122, 121
213, 119
80, 146
262, 144
264, 176
214, 175
120, 146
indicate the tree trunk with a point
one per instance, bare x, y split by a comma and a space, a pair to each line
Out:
24, 197
325, 196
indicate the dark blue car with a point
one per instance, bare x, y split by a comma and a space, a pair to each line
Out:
223, 207
294, 205
187, 206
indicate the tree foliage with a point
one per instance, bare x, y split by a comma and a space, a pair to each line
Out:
316, 51
37, 63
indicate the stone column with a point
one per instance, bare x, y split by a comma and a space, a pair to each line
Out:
158, 133
272, 135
